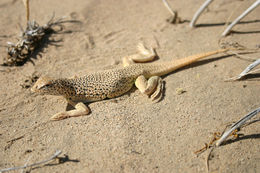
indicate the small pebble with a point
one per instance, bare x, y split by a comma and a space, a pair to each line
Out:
180, 91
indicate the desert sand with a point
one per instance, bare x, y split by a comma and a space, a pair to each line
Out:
130, 133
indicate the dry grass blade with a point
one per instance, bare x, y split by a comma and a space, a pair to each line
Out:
245, 13
175, 19
246, 71
166, 4
237, 125
198, 13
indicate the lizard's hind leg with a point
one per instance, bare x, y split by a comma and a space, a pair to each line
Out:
144, 55
152, 87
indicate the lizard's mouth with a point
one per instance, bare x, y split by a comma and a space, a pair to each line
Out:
33, 89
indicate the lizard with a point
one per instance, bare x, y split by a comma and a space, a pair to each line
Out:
111, 83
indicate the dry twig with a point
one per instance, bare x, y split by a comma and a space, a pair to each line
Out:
10, 142
27, 7
55, 155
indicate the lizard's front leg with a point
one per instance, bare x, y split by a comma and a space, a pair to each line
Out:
144, 55
152, 87
80, 110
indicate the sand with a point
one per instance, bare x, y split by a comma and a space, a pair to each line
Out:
130, 133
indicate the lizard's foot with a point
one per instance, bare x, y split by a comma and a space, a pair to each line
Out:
80, 110
152, 87
144, 55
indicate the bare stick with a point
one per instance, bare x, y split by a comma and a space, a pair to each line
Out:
247, 70
27, 7
58, 152
237, 125
198, 13
245, 13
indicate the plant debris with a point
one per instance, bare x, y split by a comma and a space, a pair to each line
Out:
32, 37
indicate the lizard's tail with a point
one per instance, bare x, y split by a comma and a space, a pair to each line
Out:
167, 67
176, 64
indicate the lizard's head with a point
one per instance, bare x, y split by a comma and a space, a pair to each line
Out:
45, 85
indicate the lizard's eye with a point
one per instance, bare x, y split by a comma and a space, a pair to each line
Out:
47, 85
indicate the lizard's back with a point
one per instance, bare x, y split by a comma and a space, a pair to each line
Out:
104, 84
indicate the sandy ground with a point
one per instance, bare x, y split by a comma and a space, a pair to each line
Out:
130, 133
